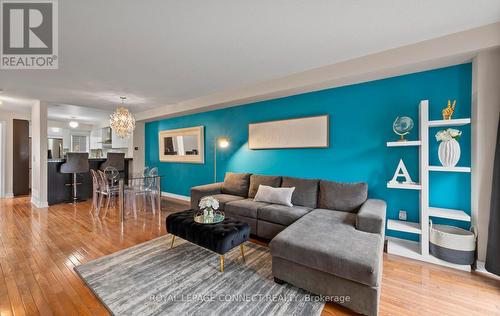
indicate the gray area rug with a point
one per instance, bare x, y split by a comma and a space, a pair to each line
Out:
152, 279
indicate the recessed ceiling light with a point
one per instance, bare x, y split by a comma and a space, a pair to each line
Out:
1, 102
73, 124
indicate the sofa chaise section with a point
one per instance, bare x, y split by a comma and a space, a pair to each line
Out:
330, 253
335, 247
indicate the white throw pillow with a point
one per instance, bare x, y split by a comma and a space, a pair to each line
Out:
269, 194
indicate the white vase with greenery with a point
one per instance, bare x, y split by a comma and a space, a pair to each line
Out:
209, 204
449, 148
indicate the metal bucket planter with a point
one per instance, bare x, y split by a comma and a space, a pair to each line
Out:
452, 244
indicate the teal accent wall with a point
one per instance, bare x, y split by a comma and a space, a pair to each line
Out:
361, 117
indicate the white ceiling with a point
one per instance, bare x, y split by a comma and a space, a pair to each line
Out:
160, 52
14, 104
85, 115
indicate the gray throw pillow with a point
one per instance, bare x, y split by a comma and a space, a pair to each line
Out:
269, 194
347, 197
306, 191
236, 184
257, 179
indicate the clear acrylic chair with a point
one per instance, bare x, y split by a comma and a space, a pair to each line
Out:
153, 188
142, 186
136, 188
113, 176
106, 190
96, 191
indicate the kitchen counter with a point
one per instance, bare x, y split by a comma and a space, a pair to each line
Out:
90, 159
59, 192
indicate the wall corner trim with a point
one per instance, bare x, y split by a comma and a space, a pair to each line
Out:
481, 269
39, 204
176, 196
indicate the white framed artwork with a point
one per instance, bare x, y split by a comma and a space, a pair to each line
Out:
305, 132
182, 145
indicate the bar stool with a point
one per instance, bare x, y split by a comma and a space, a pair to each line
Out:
115, 160
75, 163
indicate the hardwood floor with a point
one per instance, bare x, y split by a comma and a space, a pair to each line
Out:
40, 247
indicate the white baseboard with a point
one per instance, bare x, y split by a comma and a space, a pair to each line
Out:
9, 195
481, 269
38, 203
176, 196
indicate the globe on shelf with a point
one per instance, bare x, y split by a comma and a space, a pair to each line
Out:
402, 126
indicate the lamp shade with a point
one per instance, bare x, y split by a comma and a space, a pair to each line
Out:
223, 142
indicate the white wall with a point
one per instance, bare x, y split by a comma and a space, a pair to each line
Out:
39, 162
96, 138
485, 115
138, 140
7, 117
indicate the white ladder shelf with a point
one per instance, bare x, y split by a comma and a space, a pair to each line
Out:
420, 250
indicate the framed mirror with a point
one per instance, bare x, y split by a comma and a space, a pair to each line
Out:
182, 145
302, 132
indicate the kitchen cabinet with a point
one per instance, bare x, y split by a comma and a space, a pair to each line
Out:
106, 137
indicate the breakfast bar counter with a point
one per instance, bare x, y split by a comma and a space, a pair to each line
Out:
59, 192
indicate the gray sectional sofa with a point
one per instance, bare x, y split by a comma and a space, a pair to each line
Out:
329, 242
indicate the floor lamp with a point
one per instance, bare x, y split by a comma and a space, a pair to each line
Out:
220, 142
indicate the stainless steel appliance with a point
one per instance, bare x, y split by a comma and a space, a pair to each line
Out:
55, 147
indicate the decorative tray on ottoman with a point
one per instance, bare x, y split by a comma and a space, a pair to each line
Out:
217, 217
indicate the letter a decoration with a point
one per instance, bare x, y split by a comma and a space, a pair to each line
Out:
401, 171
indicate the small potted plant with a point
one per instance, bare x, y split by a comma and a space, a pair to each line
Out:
208, 204
449, 148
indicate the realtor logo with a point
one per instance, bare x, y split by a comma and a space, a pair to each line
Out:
29, 36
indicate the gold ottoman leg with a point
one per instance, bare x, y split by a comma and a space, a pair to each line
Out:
221, 263
242, 252
172, 244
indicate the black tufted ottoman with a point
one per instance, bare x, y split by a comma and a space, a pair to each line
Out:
220, 237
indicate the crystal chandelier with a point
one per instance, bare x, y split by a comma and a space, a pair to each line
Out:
122, 122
